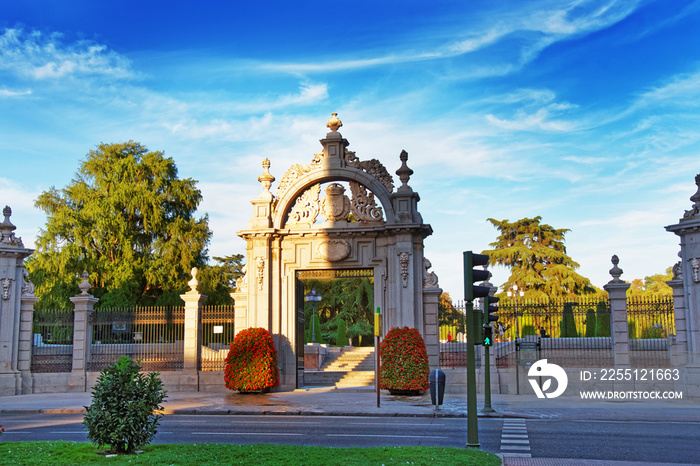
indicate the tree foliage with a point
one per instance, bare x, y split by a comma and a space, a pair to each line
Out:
128, 220
219, 280
653, 286
447, 313
536, 256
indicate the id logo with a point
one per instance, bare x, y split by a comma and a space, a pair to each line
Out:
541, 369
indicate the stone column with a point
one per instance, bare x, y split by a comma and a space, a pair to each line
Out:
617, 295
193, 335
26, 339
12, 284
679, 348
82, 336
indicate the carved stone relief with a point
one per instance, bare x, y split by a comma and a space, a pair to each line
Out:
307, 207
333, 250
27, 286
363, 205
403, 264
678, 271
242, 282
6, 287
260, 264
336, 205
430, 279
695, 265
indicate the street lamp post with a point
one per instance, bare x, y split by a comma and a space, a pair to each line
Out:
314, 299
513, 293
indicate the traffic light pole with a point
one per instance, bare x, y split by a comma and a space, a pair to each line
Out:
472, 338
487, 382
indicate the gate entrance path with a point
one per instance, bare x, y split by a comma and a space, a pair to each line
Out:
312, 224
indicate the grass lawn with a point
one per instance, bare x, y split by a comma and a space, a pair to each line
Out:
218, 454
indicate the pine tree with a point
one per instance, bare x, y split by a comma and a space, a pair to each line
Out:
536, 255
128, 220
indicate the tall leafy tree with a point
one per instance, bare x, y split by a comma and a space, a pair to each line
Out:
653, 286
128, 220
219, 280
536, 256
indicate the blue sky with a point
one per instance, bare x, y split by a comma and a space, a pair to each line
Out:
583, 112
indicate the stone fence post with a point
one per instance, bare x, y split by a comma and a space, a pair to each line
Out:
617, 295
679, 347
82, 336
193, 334
26, 340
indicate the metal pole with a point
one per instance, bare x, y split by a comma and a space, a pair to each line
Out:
487, 383
472, 419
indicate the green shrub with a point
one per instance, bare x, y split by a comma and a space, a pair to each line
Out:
342, 338
123, 403
251, 364
528, 330
602, 320
568, 322
404, 365
591, 323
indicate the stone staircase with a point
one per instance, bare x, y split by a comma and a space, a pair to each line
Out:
347, 368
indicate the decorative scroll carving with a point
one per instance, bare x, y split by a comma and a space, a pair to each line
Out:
695, 210
333, 250
260, 264
403, 263
695, 265
363, 205
27, 286
6, 288
242, 282
307, 207
373, 167
295, 172
336, 205
430, 279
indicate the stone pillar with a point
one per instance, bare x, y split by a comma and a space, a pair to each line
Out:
26, 339
431, 297
617, 295
82, 336
687, 271
679, 347
193, 335
12, 282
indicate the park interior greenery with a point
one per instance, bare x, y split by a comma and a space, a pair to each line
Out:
251, 364
123, 414
204, 454
404, 366
349, 300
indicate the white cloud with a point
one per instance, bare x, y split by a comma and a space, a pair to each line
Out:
8, 93
45, 57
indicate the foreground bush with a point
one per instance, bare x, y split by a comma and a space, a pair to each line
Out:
123, 403
404, 368
251, 364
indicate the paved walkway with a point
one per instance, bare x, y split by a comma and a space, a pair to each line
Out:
338, 402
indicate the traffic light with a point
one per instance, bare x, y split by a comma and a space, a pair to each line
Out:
488, 336
471, 276
490, 309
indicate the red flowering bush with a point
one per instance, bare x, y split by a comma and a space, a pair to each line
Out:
251, 364
404, 361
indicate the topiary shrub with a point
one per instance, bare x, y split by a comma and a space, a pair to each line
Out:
404, 369
528, 330
342, 338
123, 403
251, 364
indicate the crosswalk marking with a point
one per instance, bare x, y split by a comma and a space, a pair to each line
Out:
514, 439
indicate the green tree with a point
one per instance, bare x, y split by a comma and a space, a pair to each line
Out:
448, 314
219, 280
129, 221
653, 286
536, 256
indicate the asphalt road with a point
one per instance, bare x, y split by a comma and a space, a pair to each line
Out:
647, 441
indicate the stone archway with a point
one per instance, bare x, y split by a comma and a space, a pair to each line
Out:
377, 228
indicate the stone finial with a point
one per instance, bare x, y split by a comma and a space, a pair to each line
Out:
266, 178
84, 285
334, 123
7, 228
615, 271
404, 172
194, 283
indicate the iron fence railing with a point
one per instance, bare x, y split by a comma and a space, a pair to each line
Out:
152, 335
52, 345
217, 335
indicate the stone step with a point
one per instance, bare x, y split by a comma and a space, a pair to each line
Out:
339, 378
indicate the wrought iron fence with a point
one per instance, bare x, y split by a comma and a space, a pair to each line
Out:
52, 346
650, 321
453, 341
217, 335
153, 335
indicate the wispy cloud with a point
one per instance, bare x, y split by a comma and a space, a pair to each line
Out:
8, 93
44, 56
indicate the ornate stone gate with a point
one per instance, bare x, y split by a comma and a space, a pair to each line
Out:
377, 228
